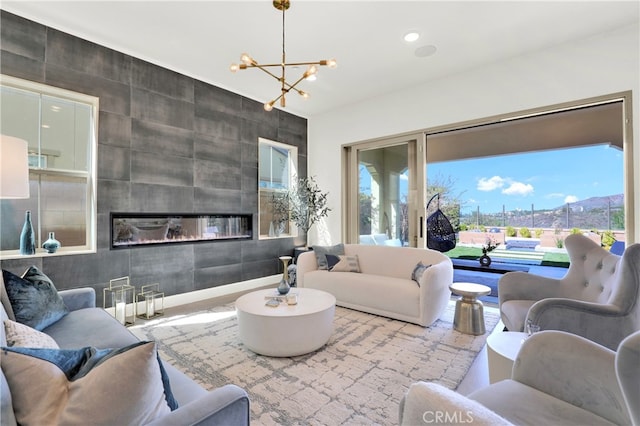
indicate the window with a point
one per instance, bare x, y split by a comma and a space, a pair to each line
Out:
60, 127
278, 164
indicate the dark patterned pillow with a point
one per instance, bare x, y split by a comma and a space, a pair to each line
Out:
418, 271
34, 299
322, 252
343, 263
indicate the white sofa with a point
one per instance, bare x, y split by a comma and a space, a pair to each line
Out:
384, 285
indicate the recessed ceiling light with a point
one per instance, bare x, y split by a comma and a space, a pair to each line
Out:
411, 36
424, 51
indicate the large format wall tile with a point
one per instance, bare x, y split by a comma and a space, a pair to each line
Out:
167, 143
22, 37
160, 168
155, 137
161, 80
72, 52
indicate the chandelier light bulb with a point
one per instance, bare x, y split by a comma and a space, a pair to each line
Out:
312, 77
331, 63
304, 94
311, 72
268, 106
246, 59
234, 67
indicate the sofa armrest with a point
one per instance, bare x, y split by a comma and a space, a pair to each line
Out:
431, 403
306, 262
572, 369
78, 298
227, 405
599, 323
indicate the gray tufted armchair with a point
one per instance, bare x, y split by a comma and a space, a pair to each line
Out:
596, 299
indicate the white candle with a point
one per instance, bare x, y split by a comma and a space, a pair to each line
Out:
120, 311
151, 308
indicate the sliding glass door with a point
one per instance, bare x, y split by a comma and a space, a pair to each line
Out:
386, 209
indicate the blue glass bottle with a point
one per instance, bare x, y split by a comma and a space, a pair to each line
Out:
27, 236
51, 245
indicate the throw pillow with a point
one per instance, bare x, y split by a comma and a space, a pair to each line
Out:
343, 263
322, 251
34, 299
27, 337
416, 275
70, 386
4, 299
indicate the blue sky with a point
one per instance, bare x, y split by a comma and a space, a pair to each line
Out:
546, 179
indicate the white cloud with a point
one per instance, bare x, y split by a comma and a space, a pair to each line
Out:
570, 199
490, 184
518, 188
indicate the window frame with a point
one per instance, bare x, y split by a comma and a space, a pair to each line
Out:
264, 234
38, 171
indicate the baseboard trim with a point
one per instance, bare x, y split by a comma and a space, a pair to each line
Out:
223, 290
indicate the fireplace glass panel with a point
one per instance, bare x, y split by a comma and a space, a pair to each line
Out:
134, 230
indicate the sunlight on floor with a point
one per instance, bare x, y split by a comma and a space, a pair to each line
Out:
180, 320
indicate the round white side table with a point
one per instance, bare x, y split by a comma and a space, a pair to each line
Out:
286, 330
469, 315
502, 349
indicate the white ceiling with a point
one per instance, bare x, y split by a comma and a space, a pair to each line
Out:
202, 38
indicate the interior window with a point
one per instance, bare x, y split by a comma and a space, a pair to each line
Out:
278, 165
60, 128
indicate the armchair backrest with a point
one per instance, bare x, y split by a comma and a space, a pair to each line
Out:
626, 290
592, 271
628, 374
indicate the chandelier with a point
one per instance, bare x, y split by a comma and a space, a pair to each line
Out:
285, 87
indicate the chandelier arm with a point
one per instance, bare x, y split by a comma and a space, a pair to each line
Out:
257, 65
260, 67
284, 60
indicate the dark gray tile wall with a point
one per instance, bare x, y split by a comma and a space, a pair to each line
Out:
167, 143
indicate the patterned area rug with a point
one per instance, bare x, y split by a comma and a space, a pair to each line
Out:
358, 378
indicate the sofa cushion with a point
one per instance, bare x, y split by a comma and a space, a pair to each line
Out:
27, 337
343, 263
322, 251
110, 386
34, 299
420, 268
74, 330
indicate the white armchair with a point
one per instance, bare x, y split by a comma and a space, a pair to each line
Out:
598, 298
557, 379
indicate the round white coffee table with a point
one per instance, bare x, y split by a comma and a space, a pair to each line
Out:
285, 330
502, 349
469, 315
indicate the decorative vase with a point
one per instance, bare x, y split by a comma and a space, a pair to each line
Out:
27, 236
485, 260
51, 245
284, 287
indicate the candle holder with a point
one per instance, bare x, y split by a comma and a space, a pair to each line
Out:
152, 300
119, 297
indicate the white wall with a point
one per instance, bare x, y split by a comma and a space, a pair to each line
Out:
599, 65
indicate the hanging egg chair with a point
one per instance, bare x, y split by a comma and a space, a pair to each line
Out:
440, 233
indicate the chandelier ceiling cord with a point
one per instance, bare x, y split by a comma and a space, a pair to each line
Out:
285, 87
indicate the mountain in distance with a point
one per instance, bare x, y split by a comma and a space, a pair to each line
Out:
592, 213
595, 203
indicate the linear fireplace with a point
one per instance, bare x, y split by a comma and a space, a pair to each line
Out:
141, 229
